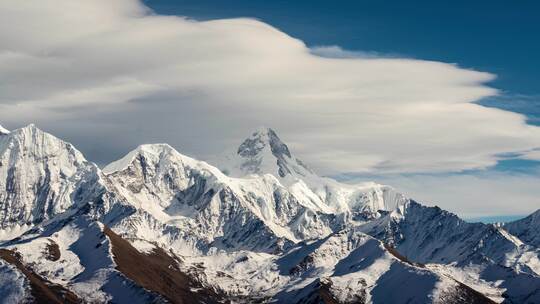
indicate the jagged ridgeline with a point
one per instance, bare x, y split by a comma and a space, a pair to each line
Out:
160, 227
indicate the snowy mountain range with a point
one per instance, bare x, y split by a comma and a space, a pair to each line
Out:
157, 226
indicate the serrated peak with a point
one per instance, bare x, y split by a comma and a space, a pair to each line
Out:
259, 140
263, 152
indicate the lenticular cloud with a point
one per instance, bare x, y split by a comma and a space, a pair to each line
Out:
116, 69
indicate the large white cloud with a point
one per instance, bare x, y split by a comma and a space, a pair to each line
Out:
109, 75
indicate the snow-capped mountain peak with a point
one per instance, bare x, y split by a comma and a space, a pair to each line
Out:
41, 175
154, 151
263, 152
263, 138
38, 143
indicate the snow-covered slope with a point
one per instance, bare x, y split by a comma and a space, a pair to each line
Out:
189, 204
185, 203
527, 229
40, 176
345, 267
432, 235
79, 256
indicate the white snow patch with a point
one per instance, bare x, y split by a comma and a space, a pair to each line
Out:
3, 131
143, 246
13, 231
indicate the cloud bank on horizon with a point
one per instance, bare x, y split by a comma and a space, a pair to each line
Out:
111, 75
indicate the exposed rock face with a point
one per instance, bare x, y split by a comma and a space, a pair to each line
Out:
159, 272
255, 154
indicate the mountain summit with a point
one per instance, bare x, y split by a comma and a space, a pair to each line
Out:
263, 152
40, 176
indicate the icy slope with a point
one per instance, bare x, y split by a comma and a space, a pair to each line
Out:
263, 152
431, 235
527, 229
40, 176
